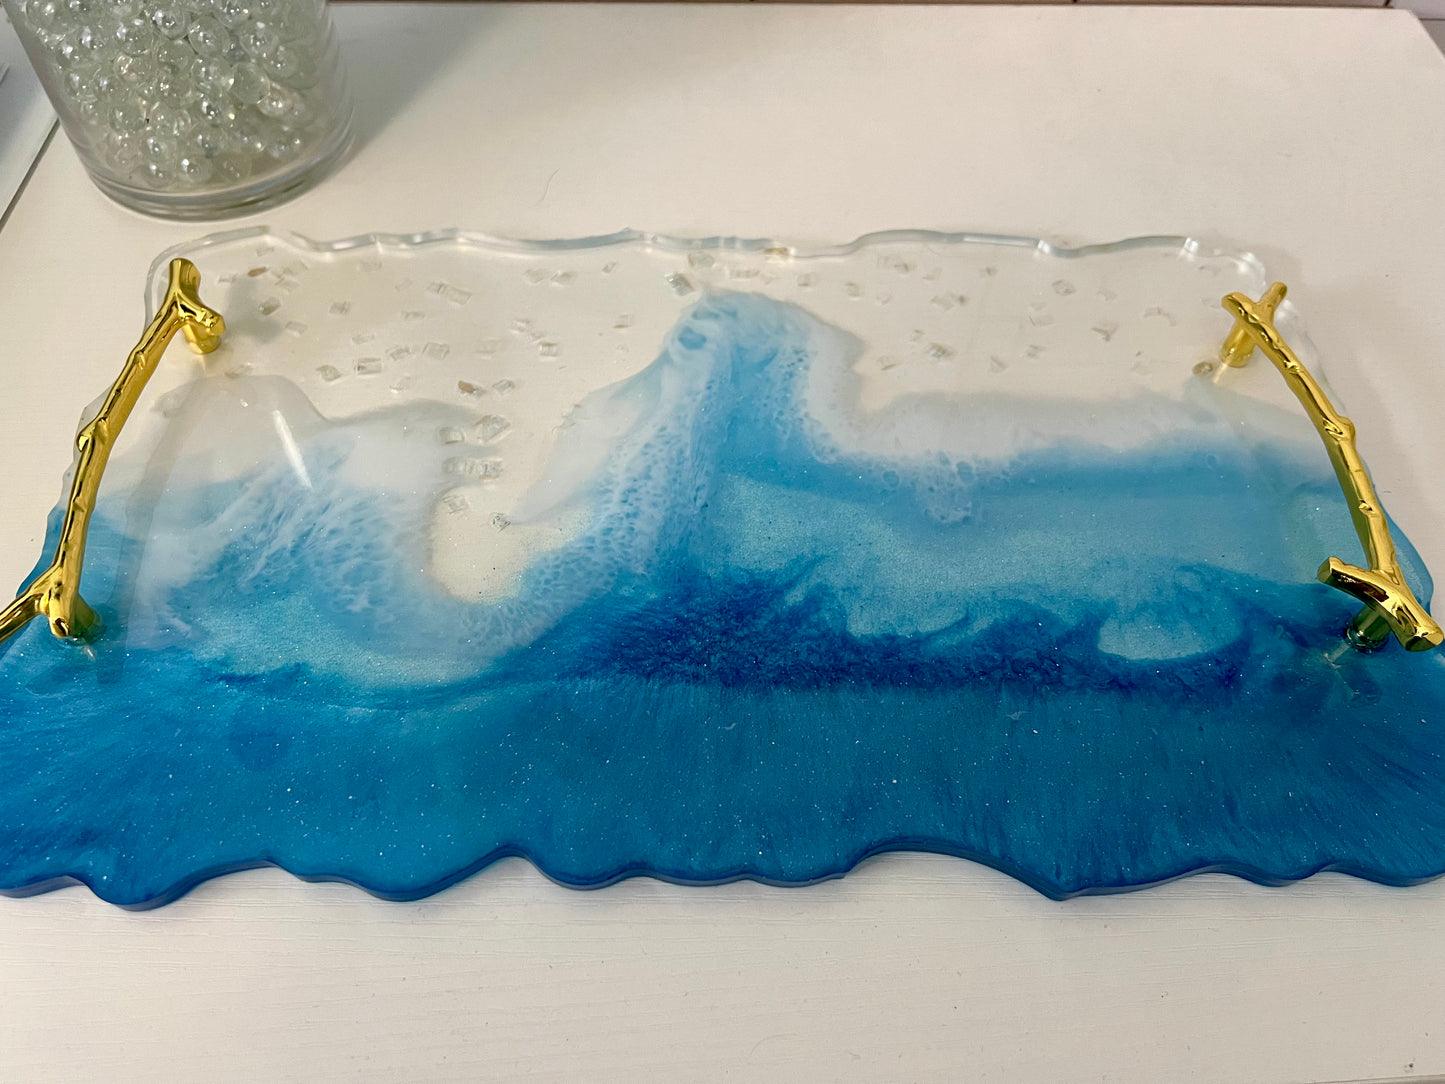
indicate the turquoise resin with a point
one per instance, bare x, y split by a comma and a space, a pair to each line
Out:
756, 647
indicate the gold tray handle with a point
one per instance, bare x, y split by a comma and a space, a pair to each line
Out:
55, 593
1390, 605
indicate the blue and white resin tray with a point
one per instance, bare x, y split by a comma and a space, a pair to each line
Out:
716, 559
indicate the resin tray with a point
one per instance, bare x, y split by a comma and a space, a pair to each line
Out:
716, 559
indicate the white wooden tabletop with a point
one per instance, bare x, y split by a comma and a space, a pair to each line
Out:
1315, 138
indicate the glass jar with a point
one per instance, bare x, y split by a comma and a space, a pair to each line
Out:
192, 108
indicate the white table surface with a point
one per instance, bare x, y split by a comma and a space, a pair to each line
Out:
1314, 137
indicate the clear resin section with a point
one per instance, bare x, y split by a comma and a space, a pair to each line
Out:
714, 559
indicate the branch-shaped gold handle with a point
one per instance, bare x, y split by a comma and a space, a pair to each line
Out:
1390, 605
55, 593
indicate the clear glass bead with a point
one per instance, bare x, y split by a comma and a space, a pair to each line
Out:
281, 63
105, 84
215, 110
92, 114
159, 148
170, 121
286, 146
233, 168
249, 140
259, 40
209, 141
128, 116
134, 36
233, 14
301, 112
135, 71
212, 76
208, 37
305, 77
175, 54
158, 175
46, 15
173, 87
294, 23
79, 82
194, 169
122, 151
93, 41
249, 83
171, 21
278, 102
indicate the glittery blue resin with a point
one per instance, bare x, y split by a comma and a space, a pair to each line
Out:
760, 655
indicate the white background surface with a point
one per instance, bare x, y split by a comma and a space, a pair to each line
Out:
1314, 137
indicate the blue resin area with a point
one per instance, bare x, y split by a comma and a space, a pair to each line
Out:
756, 651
